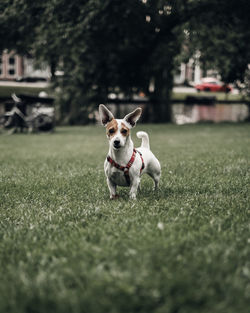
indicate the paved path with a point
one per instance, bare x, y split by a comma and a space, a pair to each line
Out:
193, 90
24, 84
184, 89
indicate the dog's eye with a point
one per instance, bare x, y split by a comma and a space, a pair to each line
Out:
124, 131
111, 130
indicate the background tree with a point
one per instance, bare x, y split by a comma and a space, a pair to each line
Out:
101, 45
125, 45
220, 31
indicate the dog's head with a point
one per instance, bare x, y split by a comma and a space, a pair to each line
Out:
118, 130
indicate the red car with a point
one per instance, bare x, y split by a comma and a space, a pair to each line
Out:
212, 84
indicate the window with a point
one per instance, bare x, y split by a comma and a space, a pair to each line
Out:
12, 66
193, 72
11, 61
12, 71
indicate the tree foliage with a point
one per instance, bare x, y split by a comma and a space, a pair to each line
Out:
127, 45
220, 31
101, 45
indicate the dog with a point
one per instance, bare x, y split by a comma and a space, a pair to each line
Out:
124, 164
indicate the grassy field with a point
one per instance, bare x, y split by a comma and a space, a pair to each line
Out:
218, 95
6, 91
65, 247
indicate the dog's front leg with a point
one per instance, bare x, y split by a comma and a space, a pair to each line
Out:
134, 186
112, 189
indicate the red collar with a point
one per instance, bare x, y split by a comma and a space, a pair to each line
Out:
126, 168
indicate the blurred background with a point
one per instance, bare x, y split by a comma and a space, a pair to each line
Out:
183, 61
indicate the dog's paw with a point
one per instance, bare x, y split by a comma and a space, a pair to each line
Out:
114, 197
132, 196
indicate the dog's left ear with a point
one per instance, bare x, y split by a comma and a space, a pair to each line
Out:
133, 117
105, 115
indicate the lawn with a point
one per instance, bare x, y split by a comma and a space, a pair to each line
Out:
221, 96
65, 247
6, 91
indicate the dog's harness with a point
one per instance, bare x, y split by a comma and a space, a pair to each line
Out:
126, 168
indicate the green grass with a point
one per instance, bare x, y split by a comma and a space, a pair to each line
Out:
218, 95
65, 247
6, 91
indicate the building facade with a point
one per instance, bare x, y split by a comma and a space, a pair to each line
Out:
192, 73
11, 66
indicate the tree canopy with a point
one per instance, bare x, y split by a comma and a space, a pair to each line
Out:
220, 31
105, 45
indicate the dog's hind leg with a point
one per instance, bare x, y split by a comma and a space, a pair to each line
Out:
155, 172
156, 179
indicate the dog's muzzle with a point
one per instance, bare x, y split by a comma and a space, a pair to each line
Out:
116, 144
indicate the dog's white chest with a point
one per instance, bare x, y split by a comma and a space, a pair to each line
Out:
115, 175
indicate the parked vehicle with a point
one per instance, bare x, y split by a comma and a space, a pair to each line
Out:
29, 113
213, 85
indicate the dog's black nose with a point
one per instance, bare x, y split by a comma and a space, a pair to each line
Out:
116, 143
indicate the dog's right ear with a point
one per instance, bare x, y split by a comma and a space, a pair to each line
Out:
105, 115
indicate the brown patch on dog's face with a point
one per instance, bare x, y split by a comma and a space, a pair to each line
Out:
112, 128
124, 130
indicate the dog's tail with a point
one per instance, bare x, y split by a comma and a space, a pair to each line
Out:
145, 140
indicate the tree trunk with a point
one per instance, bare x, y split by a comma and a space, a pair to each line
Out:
161, 108
52, 70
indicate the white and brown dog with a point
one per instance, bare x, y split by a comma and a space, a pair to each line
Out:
124, 165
